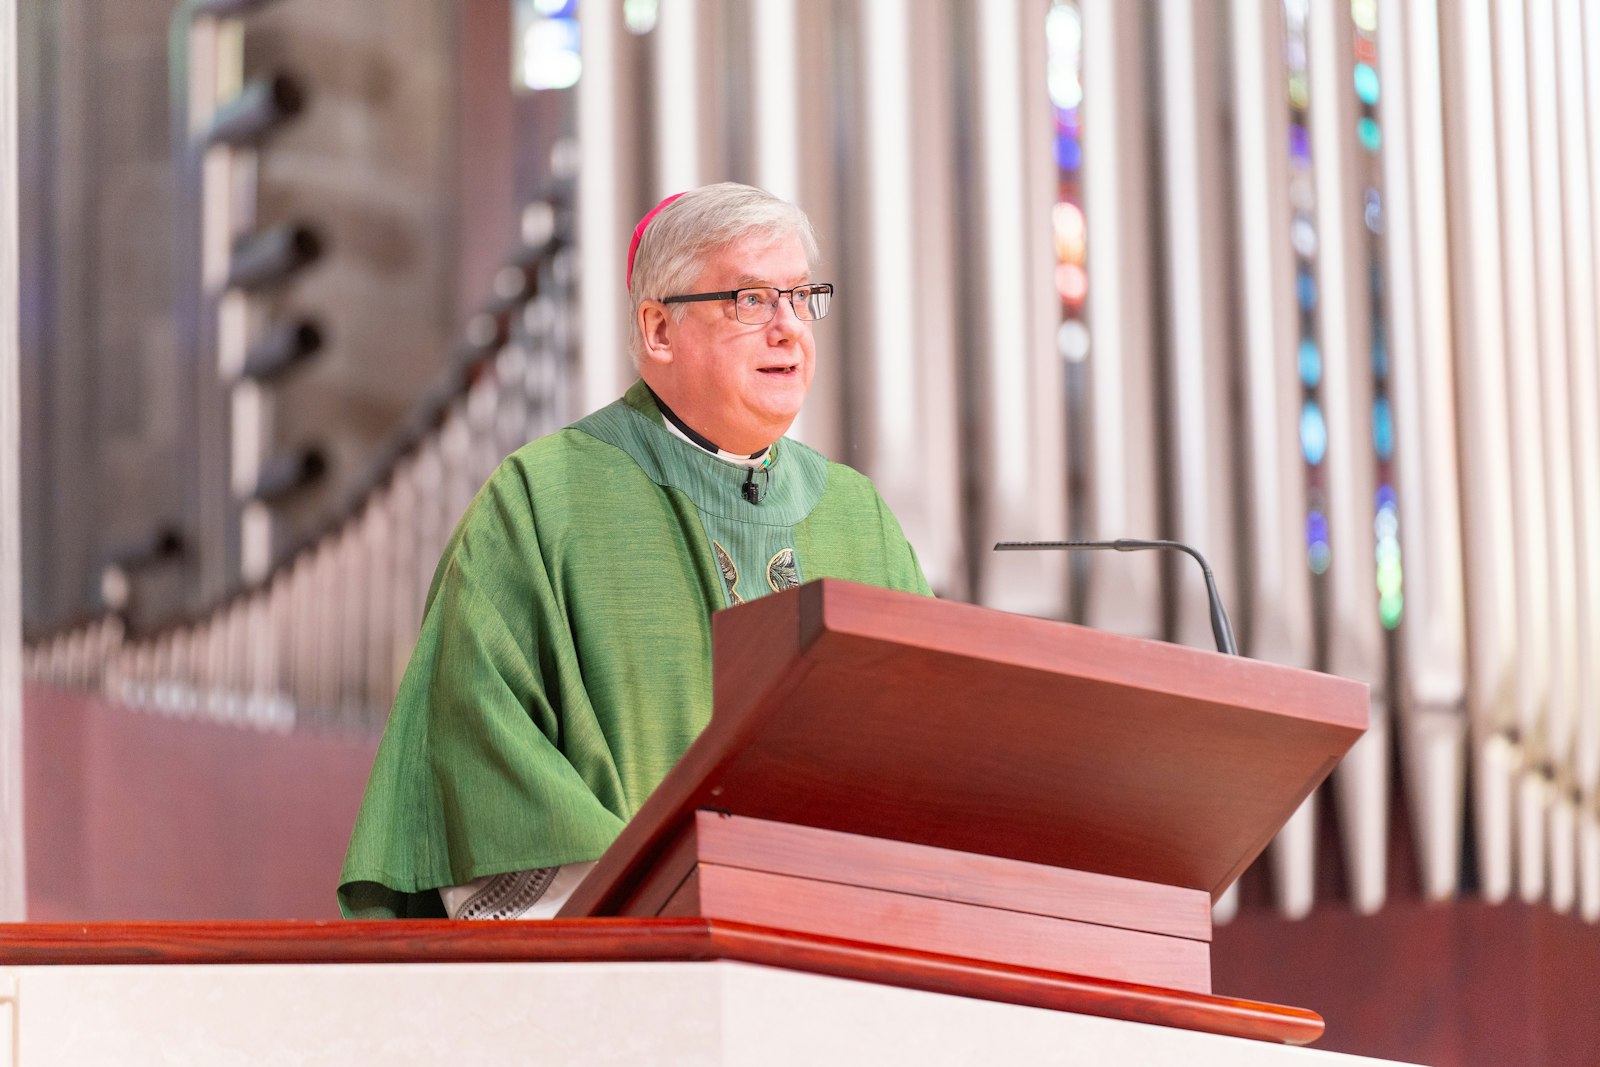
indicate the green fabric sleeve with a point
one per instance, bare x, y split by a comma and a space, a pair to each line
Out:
477, 733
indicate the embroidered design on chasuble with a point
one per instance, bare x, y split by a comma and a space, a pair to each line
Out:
753, 543
782, 573
730, 573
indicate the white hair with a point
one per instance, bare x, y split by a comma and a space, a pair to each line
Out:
684, 234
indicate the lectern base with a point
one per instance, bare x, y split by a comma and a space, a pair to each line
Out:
909, 896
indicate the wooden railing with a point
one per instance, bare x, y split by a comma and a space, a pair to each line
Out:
646, 940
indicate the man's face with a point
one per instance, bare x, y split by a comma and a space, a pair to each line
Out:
739, 385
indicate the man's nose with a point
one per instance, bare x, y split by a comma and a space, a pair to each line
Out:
785, 320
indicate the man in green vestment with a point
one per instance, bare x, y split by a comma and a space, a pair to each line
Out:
564, 663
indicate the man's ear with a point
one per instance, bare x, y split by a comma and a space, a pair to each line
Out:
655, 326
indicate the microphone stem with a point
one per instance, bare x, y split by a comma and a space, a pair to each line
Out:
1221, 630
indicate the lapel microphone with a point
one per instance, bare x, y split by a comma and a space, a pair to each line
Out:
751, 490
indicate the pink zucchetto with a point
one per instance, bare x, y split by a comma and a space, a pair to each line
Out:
638, 232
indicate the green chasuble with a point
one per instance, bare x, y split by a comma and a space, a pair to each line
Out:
564, 662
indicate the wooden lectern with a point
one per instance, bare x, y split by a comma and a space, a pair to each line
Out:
892, 791
914, 780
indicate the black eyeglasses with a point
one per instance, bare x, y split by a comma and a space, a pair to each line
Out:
758, 305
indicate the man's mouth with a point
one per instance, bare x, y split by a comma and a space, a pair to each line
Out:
780, 368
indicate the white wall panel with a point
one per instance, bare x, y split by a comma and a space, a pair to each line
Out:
715, 1014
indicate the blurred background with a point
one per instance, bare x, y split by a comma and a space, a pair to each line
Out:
1310, 285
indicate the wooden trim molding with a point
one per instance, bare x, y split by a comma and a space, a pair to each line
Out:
799, 878
643, 940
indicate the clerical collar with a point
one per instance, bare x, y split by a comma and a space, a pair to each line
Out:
682, 429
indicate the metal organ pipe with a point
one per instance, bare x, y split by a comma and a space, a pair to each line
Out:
1431, 676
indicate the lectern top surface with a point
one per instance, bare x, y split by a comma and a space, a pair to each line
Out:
873, 712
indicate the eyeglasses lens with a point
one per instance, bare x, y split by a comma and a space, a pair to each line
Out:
758, 306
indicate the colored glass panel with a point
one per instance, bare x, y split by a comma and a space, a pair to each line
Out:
1313, 433
1366, 84
1310, 363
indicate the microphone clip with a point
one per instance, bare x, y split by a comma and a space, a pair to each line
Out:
752, 491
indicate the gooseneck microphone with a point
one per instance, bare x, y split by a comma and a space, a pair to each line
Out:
1219, 617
